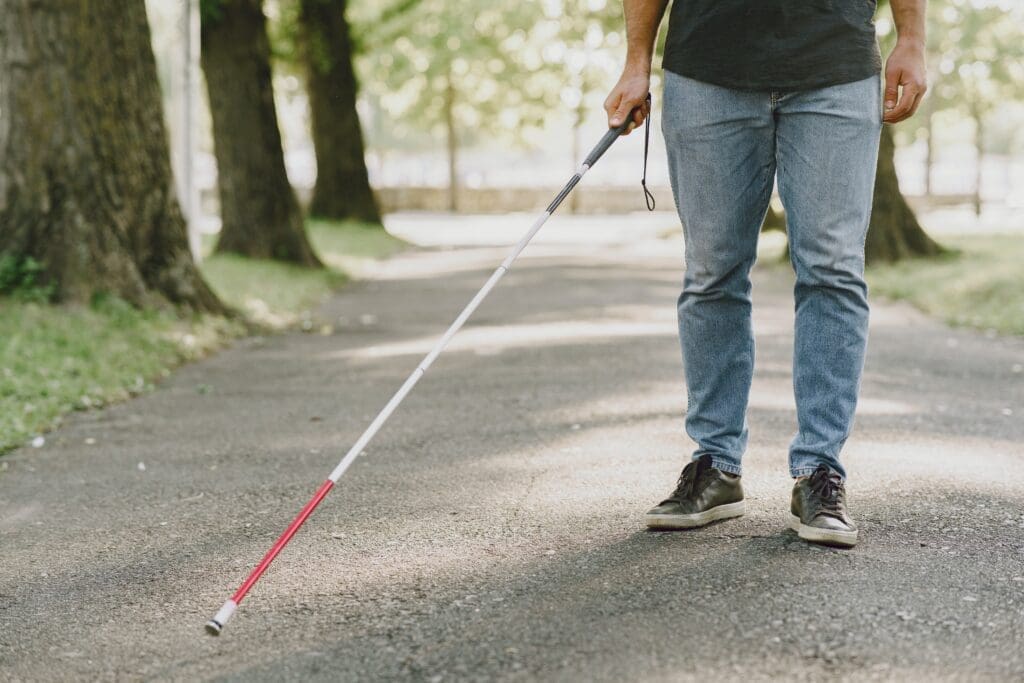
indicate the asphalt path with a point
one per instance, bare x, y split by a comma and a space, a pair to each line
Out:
494, 528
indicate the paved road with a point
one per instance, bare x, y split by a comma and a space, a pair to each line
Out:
494, 530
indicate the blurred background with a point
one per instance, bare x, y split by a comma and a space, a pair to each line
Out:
182, 172
487, 107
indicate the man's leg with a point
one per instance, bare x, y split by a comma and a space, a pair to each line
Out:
827, 150
721, 154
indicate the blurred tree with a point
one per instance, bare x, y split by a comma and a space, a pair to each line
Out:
85, 178
894, 232
342, 185
460, 66
581, 59
260, 216
976, 55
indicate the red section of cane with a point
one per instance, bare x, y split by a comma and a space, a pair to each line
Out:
215, 625
283, 540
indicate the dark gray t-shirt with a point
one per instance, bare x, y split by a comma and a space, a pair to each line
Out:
772, 44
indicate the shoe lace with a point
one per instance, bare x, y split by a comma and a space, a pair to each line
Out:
686, 487
827, 487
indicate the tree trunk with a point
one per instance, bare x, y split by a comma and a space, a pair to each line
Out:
453, 145
342, 184
85, 177
773, 220
260, 215
894, 232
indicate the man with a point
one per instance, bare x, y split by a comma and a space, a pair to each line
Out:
756, 89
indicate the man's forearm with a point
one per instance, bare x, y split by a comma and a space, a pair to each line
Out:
642, 20
909, 17
905, 71
629, 97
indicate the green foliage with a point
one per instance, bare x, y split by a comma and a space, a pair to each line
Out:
380, 27
56, 359
472, 60
976, 52
979, 284
582, 45
975, 58
283, 32
501, 68
211, 11
498, 67
510, 63
23, 278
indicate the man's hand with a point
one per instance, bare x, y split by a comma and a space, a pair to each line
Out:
628, 94
642, 19
905, 81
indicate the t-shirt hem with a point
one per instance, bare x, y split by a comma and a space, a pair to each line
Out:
833, 78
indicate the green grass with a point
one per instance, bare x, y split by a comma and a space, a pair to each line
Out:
349, 245
278, 294
270, 294
58, 359
979, 284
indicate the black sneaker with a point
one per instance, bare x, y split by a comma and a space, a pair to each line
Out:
818, 511
704, 494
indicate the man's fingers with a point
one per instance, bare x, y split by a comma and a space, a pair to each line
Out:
914, 105
622, 112
918, 98
905, 112
611, 105
892, 81
621, 116
905, 107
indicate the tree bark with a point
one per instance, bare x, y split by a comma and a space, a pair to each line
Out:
260, 216
894, 232
342, 188
85, 177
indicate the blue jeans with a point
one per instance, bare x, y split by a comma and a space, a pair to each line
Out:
725, 147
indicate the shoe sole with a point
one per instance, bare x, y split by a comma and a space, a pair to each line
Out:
696, 519
813, 534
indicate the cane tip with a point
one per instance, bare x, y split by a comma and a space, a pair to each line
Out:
216, 625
